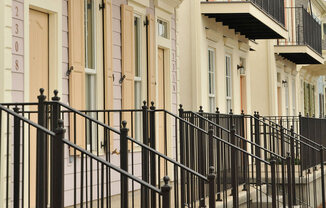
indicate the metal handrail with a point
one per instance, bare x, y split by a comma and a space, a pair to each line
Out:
134, 141
102, 161
237, 135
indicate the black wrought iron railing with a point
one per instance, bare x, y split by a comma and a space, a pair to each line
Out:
265, 139
273, 8
37, 170
211, 158
304, 29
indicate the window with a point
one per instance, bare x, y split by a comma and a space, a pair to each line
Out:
228, 75
162, 28
293, 97
324, 29
287, 98
138, 77
211, 80
90, 68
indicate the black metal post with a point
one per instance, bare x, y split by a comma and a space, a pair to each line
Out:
257, 150
16, 159
182, 158
124, 164
273, 181
218, 157
211, 181
322, 176
58, 167
234, 171
153, 145
210, 146
201, 160
289, 171
145, 158
41, 156
54, 154
293, 164
165, 189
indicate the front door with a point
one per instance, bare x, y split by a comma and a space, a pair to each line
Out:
279, 100
243, 93
38, 77
162, 137
39, 53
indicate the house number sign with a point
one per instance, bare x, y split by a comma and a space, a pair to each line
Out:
17, 36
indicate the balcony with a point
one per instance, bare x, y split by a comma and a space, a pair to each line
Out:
256, 19
304, 42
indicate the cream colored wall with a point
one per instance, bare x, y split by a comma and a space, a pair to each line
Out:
195, 34
5, 83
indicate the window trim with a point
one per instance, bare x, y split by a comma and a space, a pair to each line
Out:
90, 70
213, 74
228, 98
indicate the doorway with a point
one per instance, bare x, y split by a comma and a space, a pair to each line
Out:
279, 101
38, 77
162, 137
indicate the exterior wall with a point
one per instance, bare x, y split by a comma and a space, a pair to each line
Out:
5, 83
196, 34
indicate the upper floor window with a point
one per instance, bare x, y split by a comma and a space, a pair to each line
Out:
211, 79
162, 28
138, 76
89, 22
228, 76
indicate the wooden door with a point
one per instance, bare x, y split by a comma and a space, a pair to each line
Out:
38, 77
39, 53
279, 100
243, 95
162, 137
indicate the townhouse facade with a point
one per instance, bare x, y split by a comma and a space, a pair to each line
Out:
97, 54
115, 54
293, 66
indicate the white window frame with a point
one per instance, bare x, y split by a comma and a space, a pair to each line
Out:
91, 73
211, 73
167, 28
89, 70
228, 77
294, 102
138, 81
287, 97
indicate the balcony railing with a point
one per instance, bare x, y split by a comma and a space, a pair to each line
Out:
304, 29
273, 8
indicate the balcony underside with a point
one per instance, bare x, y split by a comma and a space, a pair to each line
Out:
245, 18
299, 54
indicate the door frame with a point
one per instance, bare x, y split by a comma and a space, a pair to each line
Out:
54, 10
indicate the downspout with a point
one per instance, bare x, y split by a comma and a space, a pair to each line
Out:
147, 62
102, 7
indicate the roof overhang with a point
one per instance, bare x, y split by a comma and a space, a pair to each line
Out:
299, 54
245, 18
316, 69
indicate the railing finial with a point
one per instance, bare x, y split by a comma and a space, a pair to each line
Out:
180, 106
144, 102
41, 91
231, 112
166, 180
55, 98
124, 124
152, 103
201, 109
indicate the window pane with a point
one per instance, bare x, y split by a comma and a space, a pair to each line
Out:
137, 40
212, 104
162, 28
89, 35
